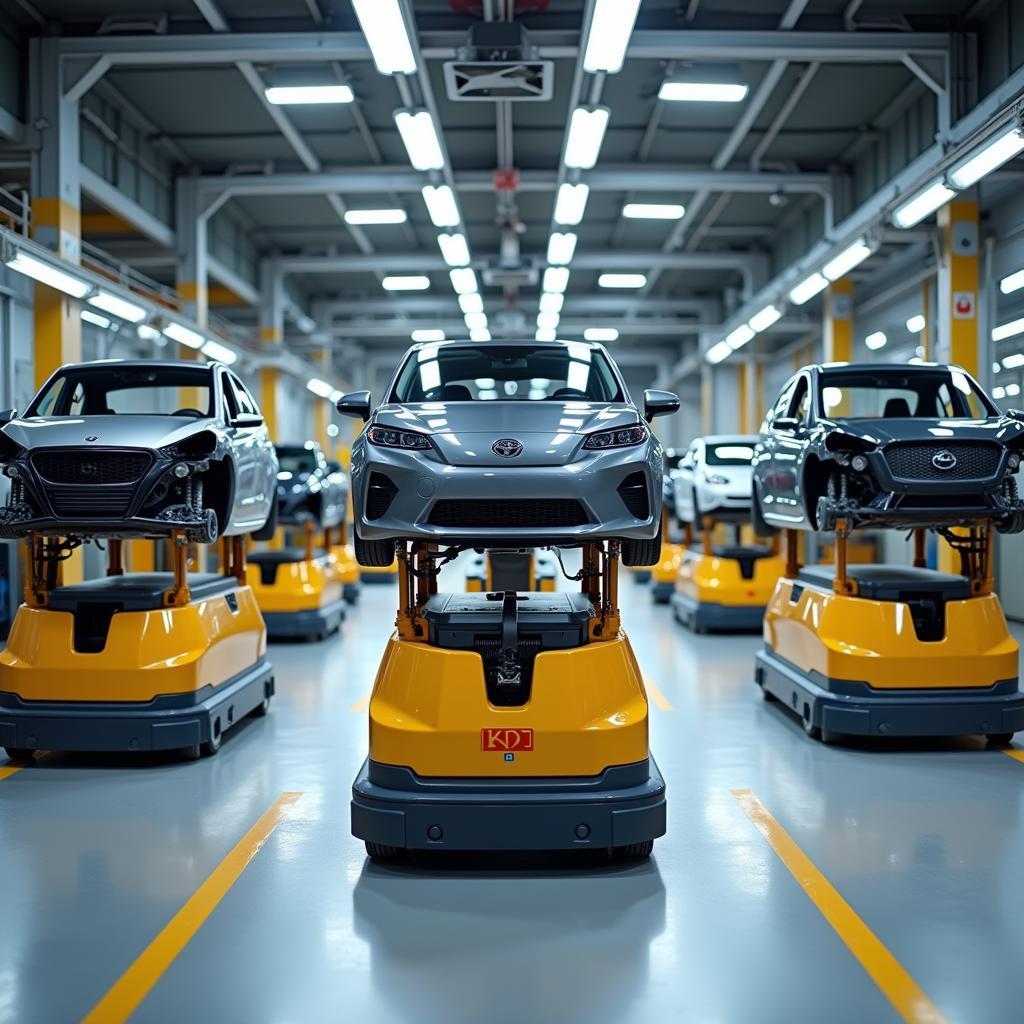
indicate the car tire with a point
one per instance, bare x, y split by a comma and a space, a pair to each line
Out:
757, 520
374, 554
269, 528
641, 552
824, 517
209, 531
1013, 523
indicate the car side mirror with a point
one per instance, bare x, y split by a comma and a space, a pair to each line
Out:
6, 415
786, 423
1014, 414
247, 419
357, 404
659, 403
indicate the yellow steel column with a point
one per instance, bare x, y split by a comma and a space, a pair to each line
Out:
705, 398
743, 383
928, 334
269, 395
838, 325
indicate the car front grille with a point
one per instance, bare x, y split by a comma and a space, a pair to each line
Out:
975, 460
91, 466
508, 514
633, 492
89, 502
379, 495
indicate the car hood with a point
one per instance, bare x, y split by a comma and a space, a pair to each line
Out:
124, 431
881, 431
550, 432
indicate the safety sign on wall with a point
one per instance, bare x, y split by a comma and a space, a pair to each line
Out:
963, 305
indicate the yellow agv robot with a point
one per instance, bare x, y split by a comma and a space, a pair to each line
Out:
508, 720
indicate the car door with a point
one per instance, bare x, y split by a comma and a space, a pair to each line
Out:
791, 432
765, 469
683, 484
253, 490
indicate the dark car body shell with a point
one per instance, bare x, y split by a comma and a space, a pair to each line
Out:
318, 497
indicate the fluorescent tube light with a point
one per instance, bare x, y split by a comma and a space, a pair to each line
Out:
1014, 362
480, 334
293, 95
1008, 330
999, 393
420, 139
441, 206
545, 334
608, 38
454, 249
808, 288
586, 133
561, 247
556, 279
184, 335
876, 340
223, 354
116, 306
601, 334
571, 203
548, 320
475, 321
471, 303
850, 257
653, 211
305, 323
764, 319
1011, 283
987, 158
47, 274
622, 281
551, 302
94, 318
463, 280
147, 333
319, 387
916, 324
406, 283
375, 217
426, 334
703, 92
927, 201
738, 338
719, 351
1012, 390
387, 36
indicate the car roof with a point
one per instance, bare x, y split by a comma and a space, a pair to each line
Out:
163, 364
871, 367
456, 343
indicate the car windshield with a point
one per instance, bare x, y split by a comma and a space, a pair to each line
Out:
901, 394
480, 373
126, 391
731, 454
296, 461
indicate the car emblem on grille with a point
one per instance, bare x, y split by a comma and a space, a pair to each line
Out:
507, 447
89, 468
91, 437
944, 460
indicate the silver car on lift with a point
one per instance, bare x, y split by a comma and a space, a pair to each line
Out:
506, 444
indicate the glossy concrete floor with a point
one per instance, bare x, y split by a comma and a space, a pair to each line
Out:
925, 842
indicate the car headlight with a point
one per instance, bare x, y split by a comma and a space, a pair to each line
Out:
624, 437
385, 437
716, 478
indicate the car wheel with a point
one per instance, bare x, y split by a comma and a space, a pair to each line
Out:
374, 554
757, 520
1013, 523
641, 552
207, 533
824, 516
269, 528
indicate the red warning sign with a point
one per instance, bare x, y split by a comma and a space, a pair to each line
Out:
963, 305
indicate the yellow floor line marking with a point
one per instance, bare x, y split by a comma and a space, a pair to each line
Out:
657, 696
134, 985
885, 970
7, 770
363, 704
1017, 755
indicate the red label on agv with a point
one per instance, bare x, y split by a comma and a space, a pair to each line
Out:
506, 739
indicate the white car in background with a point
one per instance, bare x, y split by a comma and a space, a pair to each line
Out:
715, 477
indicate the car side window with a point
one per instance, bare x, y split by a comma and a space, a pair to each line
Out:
800, 404
783, 402
245, 402
230, 401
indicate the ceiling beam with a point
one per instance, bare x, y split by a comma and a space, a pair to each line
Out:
443, 305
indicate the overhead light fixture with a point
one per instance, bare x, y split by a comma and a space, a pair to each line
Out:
319, 387
703, 92
622, 281
305, 323
1011, 283
387, 36
762, 320
987, 158
441, 205
463, 280
1012, 390
916, 324
294, 95
454, 249
919, 206
147, 333
601, 334
738, 338
360, 217
556, 279
548, 320
999, 393
406, 283
571, 203
719, 351
1014, 362
427, 334
184, 335
808, 288
850, 257
471, 303
1008, 330
475, 321
653, 211
561, 247
480, 334
545, 334
876, 340
610, 29
419, 135
551, 302
94, 318
116, 306
223, 354
586, 133
47, 274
